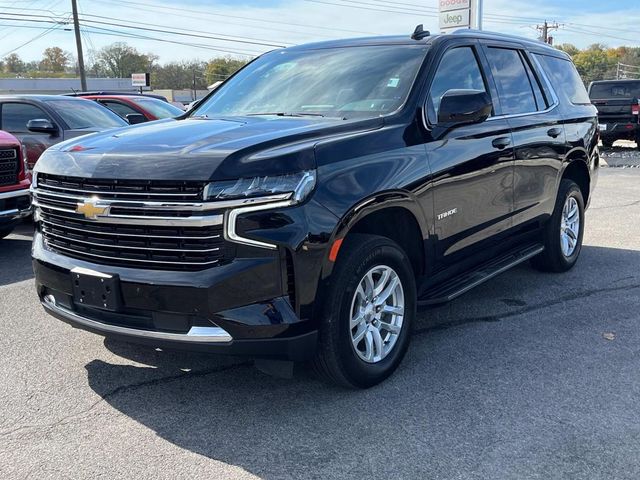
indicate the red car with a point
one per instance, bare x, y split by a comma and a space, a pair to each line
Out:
130, 107
15, 202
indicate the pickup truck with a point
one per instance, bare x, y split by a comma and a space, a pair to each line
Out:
15, 181
618, 109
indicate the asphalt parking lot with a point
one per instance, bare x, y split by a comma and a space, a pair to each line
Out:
529, 376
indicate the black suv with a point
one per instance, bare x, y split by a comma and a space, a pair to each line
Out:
306, 208
618, 108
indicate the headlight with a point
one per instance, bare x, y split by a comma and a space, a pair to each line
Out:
248, 195
299, 185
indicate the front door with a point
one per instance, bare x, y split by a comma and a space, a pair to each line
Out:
472, 165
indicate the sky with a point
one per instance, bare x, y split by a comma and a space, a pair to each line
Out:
203, 29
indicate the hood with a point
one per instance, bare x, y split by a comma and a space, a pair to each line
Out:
6, 139
198, 149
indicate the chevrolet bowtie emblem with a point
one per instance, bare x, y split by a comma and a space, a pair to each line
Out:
90, 210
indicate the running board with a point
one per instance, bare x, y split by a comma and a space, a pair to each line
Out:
463, 283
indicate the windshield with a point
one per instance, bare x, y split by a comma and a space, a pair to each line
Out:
615, 90
336, 82
80, 114
158, 108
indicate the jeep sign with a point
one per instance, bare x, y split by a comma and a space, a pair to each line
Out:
455, 14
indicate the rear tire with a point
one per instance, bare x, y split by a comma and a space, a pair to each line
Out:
563, 233
607, 143
372, 278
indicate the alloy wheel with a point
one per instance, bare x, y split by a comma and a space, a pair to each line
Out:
570, 226
377, 313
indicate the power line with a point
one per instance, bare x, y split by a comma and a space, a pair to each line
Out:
37, 37
200, 13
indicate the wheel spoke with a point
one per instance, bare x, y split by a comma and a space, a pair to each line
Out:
368, 345
386, 293
369, 285
377, 341
358, 319
572, 235
382, 281
360, 335
393, 310
390, 327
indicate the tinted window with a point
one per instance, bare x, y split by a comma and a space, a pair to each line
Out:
615, 90
158, 108
458, 70
514, 87
541, 102
79, 114
565, 79
16, 115
338, 82
119, 108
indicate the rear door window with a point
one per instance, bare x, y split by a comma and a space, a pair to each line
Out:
513, 81
565, 79
458, 70
15, 116
118, 107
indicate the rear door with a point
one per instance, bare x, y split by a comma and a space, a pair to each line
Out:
530, 107
472, 165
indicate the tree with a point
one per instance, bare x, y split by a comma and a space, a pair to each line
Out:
595, 63
120, 60
54, 59
177, 75
568, 48
13, 63
221, 68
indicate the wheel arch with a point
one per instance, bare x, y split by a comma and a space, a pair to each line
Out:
577, 169
395, 215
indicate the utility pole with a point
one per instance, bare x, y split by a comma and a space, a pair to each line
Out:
76, 28
480, 8
545, 28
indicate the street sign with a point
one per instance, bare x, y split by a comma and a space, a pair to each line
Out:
140, 80
456, 14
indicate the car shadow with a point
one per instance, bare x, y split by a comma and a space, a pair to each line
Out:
15, 255
436, 408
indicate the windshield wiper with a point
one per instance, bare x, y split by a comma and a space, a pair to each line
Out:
287, 114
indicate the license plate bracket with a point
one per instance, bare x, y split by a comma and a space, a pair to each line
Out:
96, 289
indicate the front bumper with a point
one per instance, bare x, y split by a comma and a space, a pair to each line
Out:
237, 309
14, 205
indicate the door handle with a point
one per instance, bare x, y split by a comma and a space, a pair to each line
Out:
501, 143
554, 132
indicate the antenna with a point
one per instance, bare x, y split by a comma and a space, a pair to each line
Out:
419, 33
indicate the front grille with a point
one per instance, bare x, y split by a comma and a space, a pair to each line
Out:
156, 190
9, 166
139, 233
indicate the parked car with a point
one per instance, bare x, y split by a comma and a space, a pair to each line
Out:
40, 121
15, 181
137, 109
618, 109
326, 191
114, 92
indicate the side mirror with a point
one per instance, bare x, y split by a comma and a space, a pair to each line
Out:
42, 125
460, 107
135, 118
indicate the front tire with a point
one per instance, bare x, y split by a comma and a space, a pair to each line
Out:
369, 310
564, 231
